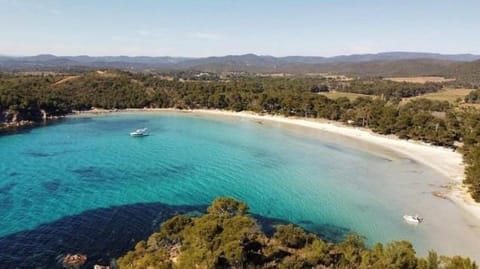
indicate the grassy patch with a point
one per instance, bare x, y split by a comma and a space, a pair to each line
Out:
450, 95
349, 95
421, 79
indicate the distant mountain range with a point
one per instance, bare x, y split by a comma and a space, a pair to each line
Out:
380, 64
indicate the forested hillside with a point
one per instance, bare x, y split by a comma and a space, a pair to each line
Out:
463, 67
467, 73
246, 62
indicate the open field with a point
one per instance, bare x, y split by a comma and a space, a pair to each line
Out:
68, 78
275, 75
330, 76
420, 79
349, 95
450, 95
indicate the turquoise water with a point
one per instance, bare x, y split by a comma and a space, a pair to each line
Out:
322, 182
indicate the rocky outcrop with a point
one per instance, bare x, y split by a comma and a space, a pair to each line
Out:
74, 261
11, 119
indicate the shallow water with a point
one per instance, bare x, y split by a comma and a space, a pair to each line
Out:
58, 175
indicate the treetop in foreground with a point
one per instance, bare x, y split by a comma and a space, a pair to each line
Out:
228, 237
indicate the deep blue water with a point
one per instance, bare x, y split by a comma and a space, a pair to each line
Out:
85, 185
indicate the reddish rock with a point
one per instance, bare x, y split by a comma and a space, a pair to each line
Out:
74, 260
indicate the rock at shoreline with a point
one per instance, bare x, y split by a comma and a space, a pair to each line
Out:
74, 261
439, 194
96, 266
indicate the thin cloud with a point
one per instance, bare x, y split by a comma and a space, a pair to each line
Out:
206, 36
21, 6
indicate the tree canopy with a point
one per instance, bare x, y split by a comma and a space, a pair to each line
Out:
233, 239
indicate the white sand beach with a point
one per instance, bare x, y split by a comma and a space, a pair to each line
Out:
444, 160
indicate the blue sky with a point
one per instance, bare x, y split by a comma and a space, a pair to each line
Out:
221, 27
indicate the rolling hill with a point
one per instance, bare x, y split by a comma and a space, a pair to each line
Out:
464, 67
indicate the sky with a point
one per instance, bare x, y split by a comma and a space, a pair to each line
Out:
199, 28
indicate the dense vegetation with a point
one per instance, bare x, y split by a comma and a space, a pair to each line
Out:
24, 98
436, 122
227, 237
468, 74
473, 97
367, 65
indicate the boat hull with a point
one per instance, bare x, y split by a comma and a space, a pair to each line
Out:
411, 219
138, 135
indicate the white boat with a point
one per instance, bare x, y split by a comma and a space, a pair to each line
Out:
140, 132
412, 219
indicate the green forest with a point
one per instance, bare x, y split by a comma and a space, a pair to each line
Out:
228, 237
34, 98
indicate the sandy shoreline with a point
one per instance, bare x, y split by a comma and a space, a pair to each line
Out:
444, 160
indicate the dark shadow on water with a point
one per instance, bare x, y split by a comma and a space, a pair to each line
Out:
18, 130
39, 154
328, 232
101, 234
333, 147
6, 201
6, 188
51, 186
173, 171
105, 233
90, 171
96, 175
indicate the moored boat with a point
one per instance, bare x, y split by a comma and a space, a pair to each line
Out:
140, 132
412, 219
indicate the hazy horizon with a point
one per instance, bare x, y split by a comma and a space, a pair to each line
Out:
217, 28
225, 55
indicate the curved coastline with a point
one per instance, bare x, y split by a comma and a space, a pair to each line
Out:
443, 160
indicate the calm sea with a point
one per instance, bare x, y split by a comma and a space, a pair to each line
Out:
84, 185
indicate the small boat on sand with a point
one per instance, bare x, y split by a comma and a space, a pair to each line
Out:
140, 132
412, 219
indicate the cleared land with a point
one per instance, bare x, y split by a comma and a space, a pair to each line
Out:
450, 95
349, 95
107, 73
65, 80
421, 79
